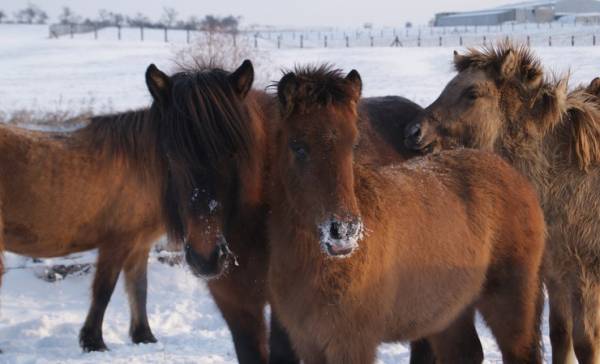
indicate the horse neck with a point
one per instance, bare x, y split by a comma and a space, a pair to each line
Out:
531, 152
254, 169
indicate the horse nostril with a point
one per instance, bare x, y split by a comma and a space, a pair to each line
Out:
334, 230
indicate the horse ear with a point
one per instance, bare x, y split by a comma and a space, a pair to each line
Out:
594, 87
159, 84
242, 78
509, 65
356, 82
458, 57
286, 89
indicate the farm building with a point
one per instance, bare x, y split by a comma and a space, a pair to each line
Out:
541, 11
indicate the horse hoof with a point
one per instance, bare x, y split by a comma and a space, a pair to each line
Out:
143, 337
91, 342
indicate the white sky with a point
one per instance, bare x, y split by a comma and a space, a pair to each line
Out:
273, 12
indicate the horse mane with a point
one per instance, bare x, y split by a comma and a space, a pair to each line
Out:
491, 57
583, 125
205, 123
319, 85
208, 119
129, 136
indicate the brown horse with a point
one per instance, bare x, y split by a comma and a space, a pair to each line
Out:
500, 101
115, 185
363, 253
240, 291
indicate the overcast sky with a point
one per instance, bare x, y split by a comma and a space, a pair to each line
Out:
273, 12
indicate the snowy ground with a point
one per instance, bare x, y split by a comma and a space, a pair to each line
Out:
39, 321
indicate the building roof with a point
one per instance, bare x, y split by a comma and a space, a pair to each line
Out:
528, 4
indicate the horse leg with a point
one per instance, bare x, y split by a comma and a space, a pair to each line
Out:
561, 324
109, 264
586, 328
421, 352
280, 347
459, 343
245, 320
512, 305
136, 284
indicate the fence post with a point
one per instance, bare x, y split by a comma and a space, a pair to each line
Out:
279, 42
550, 41
347, 42
301, 40
440, 41
119, 32
371, 41
460, 40
71, 30
255, 40
419, 41
142, 33
484, 40
572, 41
325, 41
528, 41
166, 36
594, 39
95, 32
187, 36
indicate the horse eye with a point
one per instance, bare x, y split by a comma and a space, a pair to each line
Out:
472, 94
300, 150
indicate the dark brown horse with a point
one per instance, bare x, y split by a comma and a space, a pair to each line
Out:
501, 101
363, 253
241, 291
115, 185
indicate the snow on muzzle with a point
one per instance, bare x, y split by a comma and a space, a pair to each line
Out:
340, 236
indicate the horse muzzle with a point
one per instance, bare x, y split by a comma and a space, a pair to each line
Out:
211, 266
339, 237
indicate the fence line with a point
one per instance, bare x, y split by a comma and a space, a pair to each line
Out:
548, 34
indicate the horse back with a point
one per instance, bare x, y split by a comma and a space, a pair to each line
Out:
382, 122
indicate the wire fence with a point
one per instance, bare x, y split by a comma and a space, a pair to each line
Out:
547, 34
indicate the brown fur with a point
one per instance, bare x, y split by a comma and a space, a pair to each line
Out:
552, 137
240, 290
66, 193
443, 235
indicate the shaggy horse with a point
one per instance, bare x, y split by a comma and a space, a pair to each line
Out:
115, 185
362, 253
240, 291
500, 101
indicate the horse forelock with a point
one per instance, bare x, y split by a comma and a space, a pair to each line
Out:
205, 128
320, 86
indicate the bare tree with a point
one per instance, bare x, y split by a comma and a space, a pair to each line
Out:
26, 15
67, 16
193, 22
2, 15
41, 16
108, 18
139, 20
169, 17
212, 24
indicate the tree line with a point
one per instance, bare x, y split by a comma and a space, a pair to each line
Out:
32, 14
